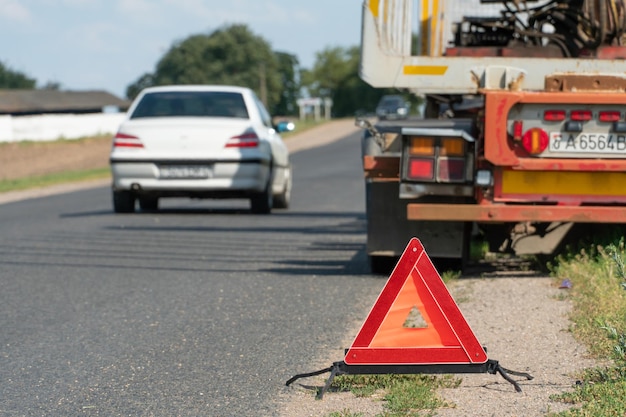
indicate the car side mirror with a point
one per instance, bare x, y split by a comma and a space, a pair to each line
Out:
285, 126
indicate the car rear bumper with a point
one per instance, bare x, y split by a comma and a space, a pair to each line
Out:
224, 179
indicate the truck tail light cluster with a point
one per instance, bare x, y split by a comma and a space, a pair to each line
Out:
559, 115
436, 159
123, 140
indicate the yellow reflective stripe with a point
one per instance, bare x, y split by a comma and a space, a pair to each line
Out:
563, 183
425, 69
374, 7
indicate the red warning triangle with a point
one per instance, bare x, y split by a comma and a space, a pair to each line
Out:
443, 337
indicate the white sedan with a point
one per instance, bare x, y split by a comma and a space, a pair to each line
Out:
199, 142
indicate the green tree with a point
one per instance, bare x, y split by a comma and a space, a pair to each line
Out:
335, 74
145, 81
10, 79
230, 55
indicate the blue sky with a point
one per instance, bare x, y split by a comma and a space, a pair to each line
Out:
108, 44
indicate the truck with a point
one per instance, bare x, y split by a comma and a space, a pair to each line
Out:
523, 134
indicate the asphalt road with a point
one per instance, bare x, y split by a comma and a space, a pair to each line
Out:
202, 309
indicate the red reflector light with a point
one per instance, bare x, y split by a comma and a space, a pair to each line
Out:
245, 140
123, 140
581, 115
554, 115
535, 141
609, 116
518, 129
421, 169
451, 170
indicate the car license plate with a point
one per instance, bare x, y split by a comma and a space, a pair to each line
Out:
184, 171
606, 143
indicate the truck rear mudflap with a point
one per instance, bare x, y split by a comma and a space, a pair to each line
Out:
389, 229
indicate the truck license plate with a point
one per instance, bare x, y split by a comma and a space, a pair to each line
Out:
184, 172
606, 143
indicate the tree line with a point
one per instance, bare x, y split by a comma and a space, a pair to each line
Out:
234, 55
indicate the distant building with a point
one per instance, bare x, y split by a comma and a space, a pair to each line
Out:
41, 115
37, 102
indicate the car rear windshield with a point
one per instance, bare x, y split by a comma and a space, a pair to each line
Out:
191, 104
390, 101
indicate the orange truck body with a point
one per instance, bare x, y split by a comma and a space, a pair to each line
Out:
544, 141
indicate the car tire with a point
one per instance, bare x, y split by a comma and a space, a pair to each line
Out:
262, 202
149, 203
123, 202
282, 200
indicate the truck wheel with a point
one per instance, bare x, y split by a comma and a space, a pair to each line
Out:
123, 202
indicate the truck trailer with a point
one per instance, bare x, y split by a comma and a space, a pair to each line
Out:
523, 133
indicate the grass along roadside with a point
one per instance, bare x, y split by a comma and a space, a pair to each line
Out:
40, 181
597, 276
35, 143
404, 395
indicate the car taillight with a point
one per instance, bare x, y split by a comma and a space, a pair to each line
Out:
554, 115
123, 140
535, 141
247, 139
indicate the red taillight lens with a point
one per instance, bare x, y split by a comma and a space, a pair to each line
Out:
554, 115
581, 115
451, 170
518, 129
535, 141
421, 169
609, 116
245, 140
123, 140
